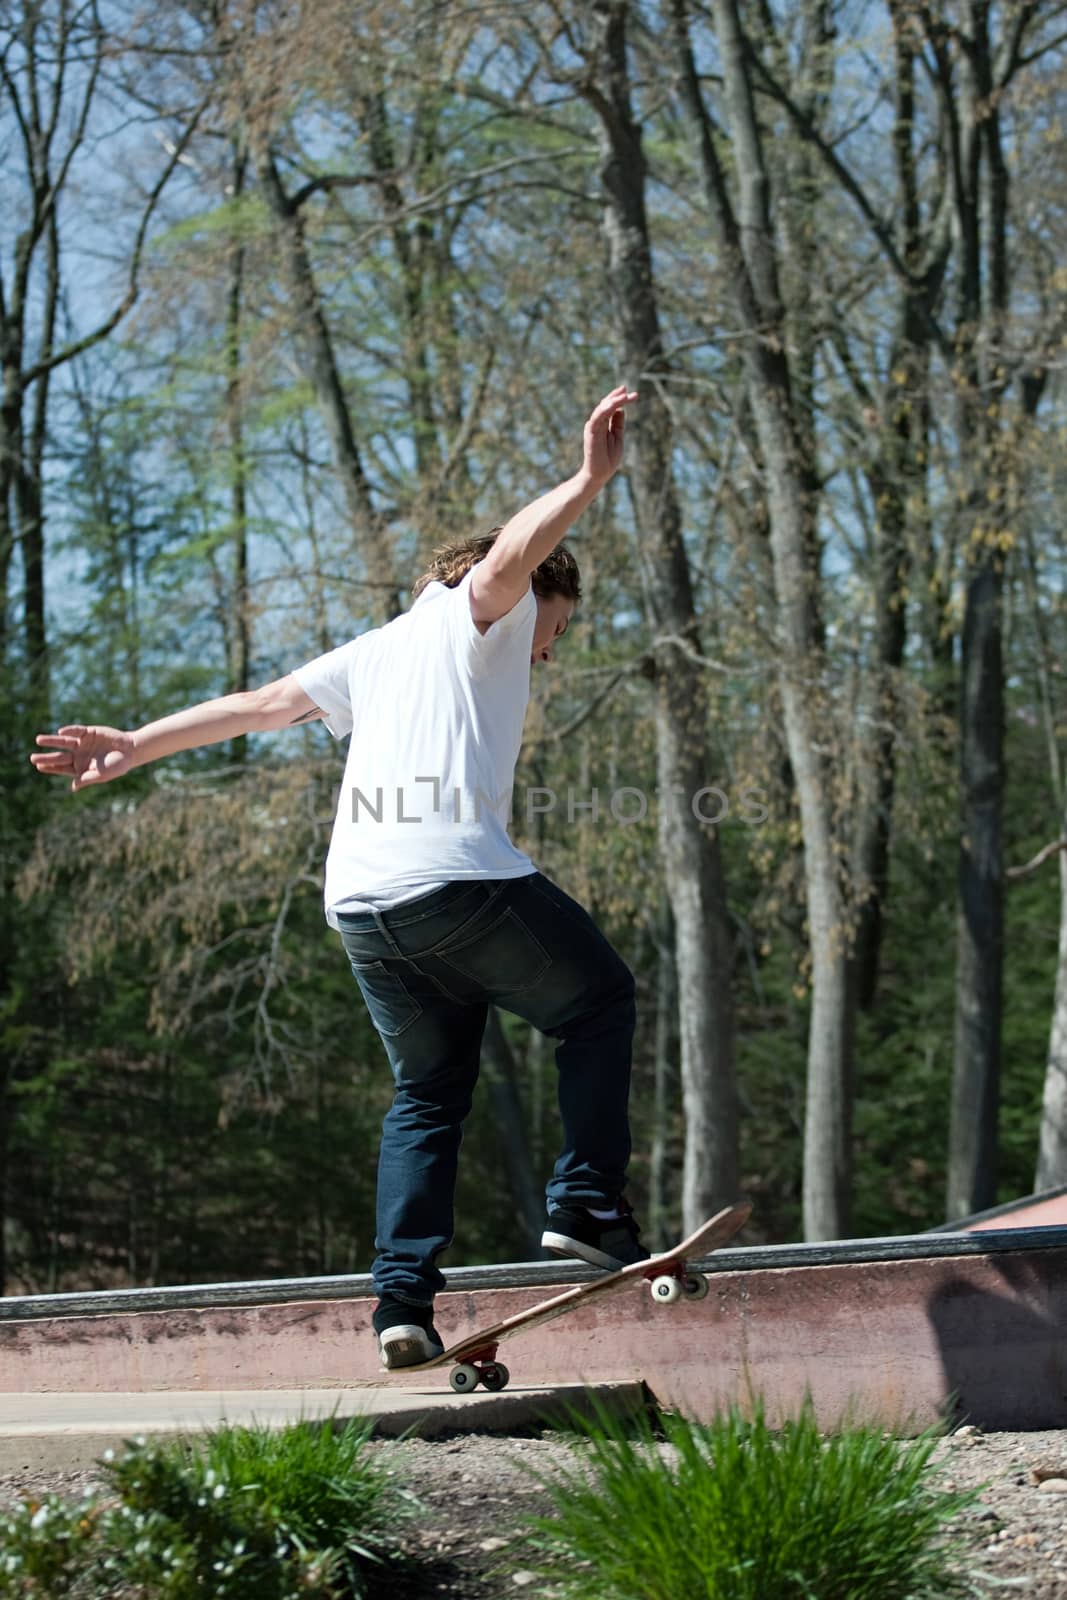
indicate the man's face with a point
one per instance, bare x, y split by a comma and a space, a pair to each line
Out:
553, 615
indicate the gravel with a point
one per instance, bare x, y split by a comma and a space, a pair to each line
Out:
471, 1491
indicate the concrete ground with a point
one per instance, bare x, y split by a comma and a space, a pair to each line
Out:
60, 1431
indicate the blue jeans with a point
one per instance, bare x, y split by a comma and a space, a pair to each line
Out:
429, 970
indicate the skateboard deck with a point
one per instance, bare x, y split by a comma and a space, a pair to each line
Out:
473, 1359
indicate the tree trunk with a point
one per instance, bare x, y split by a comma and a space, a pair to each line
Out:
413, 249
750, 267
241, 635
980, 924
980, 194
315, 344
898, 484
666, 1043
30, 500
897, 480
689, 847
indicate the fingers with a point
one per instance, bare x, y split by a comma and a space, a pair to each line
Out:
609, 401
60, 761
608, 419
65, 769
61, 765
619, 396
86, 755
57, 752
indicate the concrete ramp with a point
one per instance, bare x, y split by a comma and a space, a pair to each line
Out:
896, 1330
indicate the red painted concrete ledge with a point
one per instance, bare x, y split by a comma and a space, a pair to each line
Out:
902, 1341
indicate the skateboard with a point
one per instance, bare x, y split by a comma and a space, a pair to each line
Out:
473, 1359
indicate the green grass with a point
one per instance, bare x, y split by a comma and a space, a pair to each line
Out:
735, 1511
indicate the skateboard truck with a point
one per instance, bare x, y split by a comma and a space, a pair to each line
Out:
667, 1287
479, 1367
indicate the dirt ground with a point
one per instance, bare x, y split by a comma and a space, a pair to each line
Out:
471, 1492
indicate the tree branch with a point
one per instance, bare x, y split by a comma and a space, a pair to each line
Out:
79, 133
850, 183
558, 735
1036, 55
1013, 874
1009, 59
328, 181
69, 351
461, 442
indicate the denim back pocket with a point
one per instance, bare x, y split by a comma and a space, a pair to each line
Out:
392, 1009
505, 958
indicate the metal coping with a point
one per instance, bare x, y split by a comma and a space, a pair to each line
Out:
522, 1275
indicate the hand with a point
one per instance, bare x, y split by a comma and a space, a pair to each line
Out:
85, 755
603, 438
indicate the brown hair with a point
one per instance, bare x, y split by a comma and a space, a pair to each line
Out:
557, 574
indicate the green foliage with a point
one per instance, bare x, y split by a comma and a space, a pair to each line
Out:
732, 1510
245, 1514
47, 1546
239, 220
151, 1159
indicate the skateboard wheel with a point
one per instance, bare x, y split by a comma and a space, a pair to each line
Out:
495, 1375
463, 1378
695, 1286
666, 1290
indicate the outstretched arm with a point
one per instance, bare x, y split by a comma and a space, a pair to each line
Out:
96, 754
500, 581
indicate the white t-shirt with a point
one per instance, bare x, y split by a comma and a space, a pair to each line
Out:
435, 710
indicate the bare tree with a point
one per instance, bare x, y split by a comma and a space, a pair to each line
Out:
689, 847
897, 467
971, 54
972, 71
240, 611
320, 365
254, 96
746, 242
52, 59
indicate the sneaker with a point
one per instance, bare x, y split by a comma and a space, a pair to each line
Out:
406, 1334
610, 1243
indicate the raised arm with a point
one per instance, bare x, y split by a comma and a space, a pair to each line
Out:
96, 754
500, 581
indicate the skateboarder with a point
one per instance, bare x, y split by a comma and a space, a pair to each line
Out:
439, 913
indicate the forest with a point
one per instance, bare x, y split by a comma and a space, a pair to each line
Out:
293, 293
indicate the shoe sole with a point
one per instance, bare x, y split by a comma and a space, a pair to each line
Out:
561, 1244
405, 1346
